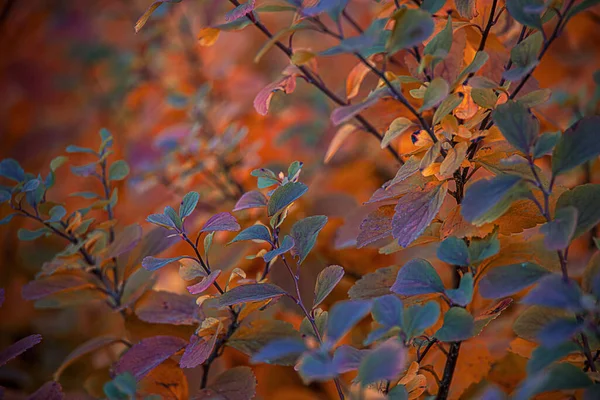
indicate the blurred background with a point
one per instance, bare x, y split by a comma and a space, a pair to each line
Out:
182, 116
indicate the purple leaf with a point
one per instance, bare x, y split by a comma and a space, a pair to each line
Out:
18, 348
251, 292
238, 383
377, 225
347, 358
252, 199
326, 282
553, 291
49, 391
509, 279
46, 286
221, 222
125, 241
317, 366
415, 211
387, 311
384, 362
160, 307
559, 331
197, 351
559, 232
255, 232
146, 355
2, 294
417, 277
205, 283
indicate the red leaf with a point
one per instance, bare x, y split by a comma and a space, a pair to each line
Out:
198, 350
204, 283
146, 355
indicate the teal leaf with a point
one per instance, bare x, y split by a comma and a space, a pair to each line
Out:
553, 291
399, 392
286, 245
483, 248
160, 220
343, 316
7, 219
417, 318
526, 53
517, 124
487, 199
285, 195
417, 277
255, 232
371, 41
559, 232
27, 235
509, 279
385, 362
458, 325
453, 251
118, 170
441, 43
412, 27
294, 170
464, 293
347, 358
447, 106
481, 57
79, 149
5, 195
544, 356
85, 195
527, 12
545, 144
435, 93
304, 233
326, 282
561, 376
188, 204
31, 185
387, 311
317, 366
559, 331
174, 217
585, 198
57, 213
153, 263
248, 293
577, 145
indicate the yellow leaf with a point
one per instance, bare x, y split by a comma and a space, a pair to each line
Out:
301, 57
454, 158
340, 137
397, 127
208, 36
354, 80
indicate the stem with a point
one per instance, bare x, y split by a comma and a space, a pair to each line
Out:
449, 371
202, 263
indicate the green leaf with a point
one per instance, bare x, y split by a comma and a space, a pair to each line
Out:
447, 106
326, 282
531, 321
118, 170
435, 93
458, 325
412, 27
285, 195
485, 98
545, 143
7, 219
417, 277
559, 232
509, 279
517, 125
304, 233
577, 145
526, 52
432, 6
371, 41
188, 204
479, 60
248, 293
27, 235
483, 248
527, 12
441, 43
385, 362
160, 220
294, 170
396, 128
57, 162
374, 284
173, 216
544, 356
585, 199
417, 318
535, 98
487, 199
453, 251
462, 295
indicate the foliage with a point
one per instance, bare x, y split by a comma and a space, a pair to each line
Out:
481, 237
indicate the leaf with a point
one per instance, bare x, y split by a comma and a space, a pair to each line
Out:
432, 6
255, 232
221, 222
49, 391
374, 284
147, 354
370, 42
238, 383
304, 233
317, 366
561, 376
285, 195
160, 307
447, 106
152, 263
526, 52
559, 331
545, 144
346, 113
118, 170
387, 311
559, 232
343, 316
188, 204
517, 124
144, 18
396, 128
252, 199
453, 160
458, 326
436, 92
174, 217
487, 316
481, 57
585, 199
453, 251
347, 358
531, 321
18, 348
45, 286
205, 283
417, 277
287, 84
377, 225
417, 318
527, 12
56, 213
251, 338
287, 244
198, 350
240, 11
415, 211
160, 220
487, 199
385, 362
248, 293
441, 43
466, 8
27, 235
553, 291
326, 282
544, 356
462, 295
12, 170
87, 347
509, 279
125, 241
279, 349
577, 145
411, 28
